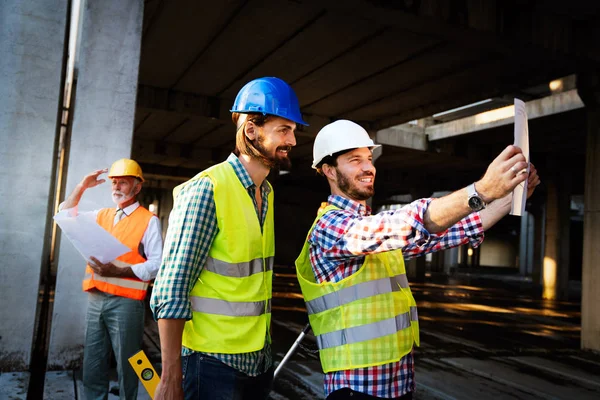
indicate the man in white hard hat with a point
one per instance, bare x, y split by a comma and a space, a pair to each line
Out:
212, 296
351, 269
116, 290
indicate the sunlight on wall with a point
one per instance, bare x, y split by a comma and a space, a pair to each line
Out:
549, 278
495, 115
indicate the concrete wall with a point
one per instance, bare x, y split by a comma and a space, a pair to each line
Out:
31, 43
498, 252
102, 133
590, 279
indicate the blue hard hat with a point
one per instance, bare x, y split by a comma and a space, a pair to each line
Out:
269, 95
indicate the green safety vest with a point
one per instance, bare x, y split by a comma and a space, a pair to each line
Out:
231, 301
367, 319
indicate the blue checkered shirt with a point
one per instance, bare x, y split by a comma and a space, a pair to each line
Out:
192, 229
338, 246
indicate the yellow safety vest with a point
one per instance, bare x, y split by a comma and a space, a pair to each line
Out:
367, 319
231, 301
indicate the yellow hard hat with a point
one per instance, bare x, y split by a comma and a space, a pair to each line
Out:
126, 167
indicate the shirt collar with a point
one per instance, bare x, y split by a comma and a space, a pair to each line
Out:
243, 174
130, 208
346, 204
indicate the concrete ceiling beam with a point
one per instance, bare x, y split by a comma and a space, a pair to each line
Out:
159, 99
403, 136
546, 106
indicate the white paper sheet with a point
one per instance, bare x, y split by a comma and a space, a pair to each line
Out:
89, 238
522, 140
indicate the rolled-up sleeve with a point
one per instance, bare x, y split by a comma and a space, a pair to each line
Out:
467, 230
342, 235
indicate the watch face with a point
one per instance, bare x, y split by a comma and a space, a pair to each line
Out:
475, 203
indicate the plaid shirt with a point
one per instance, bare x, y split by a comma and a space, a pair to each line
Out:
339, 243
192, 229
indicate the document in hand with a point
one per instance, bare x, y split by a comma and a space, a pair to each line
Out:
522, 140
89, 238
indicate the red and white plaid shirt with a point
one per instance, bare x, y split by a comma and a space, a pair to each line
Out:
339, 243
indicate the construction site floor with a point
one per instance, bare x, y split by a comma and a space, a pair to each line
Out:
483, 336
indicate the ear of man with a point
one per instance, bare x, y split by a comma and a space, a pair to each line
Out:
138, 188
250, 130
329, 171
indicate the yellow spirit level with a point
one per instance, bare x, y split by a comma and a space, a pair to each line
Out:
144, 370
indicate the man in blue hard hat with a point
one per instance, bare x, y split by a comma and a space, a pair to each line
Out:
212, 295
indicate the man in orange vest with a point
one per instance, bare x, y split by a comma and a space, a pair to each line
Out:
116, 290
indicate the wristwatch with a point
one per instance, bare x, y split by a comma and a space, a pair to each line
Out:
474, 200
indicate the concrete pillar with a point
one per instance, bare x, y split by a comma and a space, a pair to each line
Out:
555, 268
526, 246
564, 204
102, 133
539, 244
476, 257
32, 34
530, 242
589, 90
415, 269
450, 260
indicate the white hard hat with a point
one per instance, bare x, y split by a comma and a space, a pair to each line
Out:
337, 136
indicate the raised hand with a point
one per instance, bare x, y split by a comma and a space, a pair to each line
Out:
503, 174
91, 179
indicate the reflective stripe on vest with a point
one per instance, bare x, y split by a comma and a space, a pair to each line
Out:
239, 270
367, 332
356, 292
230, 308
124, 283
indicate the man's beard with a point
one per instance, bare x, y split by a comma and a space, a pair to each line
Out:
123, 198
272, 161
348, 187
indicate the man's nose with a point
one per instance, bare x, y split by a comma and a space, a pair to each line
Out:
291, 139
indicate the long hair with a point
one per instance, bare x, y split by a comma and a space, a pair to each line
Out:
243, 145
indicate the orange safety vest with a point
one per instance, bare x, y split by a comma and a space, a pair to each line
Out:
130, 231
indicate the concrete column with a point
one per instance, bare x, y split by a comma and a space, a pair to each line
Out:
564, 265
589, 90
526, 244
435, 262
477, 257
530, 243
415, 269
555, 268
450, 260
539, 245
102, 133
32, 34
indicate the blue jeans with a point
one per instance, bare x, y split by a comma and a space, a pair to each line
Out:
111, 321
206, 378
